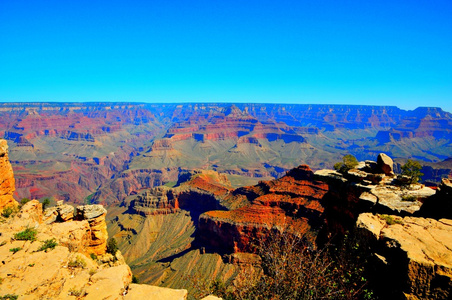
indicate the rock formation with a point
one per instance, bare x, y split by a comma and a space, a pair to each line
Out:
6, 179
413, 256
292, 201
385, 164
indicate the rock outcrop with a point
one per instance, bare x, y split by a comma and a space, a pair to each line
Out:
6, 179
413, 256
57, 255
292, 201
95, 215
76, 266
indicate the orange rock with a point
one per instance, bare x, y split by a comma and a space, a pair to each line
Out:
7, 181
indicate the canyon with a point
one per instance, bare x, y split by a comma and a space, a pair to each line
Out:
215, 235
191, 188
103, 152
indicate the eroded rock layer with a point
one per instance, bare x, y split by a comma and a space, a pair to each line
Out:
6, 178
293, 201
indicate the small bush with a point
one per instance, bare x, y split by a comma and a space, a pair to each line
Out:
348, 162
9, 297
93, 256
8, 211
31, 265
94, 271
135, 279
409, 198
78, 262
48, 244
390, 220
45, 202
14, 250
29, 234
112, 246
24, 201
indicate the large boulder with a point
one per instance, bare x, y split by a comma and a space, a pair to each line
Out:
385, 164
413, 256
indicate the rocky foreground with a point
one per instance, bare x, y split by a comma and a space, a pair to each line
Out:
61, 252
405, 229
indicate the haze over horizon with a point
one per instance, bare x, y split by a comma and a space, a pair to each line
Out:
321, 52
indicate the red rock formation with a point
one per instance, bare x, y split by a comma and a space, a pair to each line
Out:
292, 201
203, 191
6, 178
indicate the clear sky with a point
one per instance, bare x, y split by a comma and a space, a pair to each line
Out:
337, 52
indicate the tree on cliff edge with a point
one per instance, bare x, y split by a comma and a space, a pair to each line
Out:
412, 169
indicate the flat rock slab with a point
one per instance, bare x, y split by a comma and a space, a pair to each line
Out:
141, 291
89, 212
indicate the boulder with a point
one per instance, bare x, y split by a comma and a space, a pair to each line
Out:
415, 255
88, 212
385, 164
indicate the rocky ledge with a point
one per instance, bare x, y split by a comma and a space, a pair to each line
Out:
66, 259
412, 256
377, 189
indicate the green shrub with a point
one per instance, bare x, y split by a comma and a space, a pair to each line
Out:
9, 297
78, 262
390, 219
28, 234
348, 162
135, 279
412, 169
14, 250
24, 201
45, 202
93, 256
8, 211
112, 246
409, 198
48, 244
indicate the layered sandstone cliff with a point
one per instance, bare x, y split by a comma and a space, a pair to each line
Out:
6, 178
293, 201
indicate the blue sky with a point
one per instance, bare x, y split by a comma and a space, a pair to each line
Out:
336, 52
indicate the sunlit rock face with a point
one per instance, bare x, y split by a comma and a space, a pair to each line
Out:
7, 181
